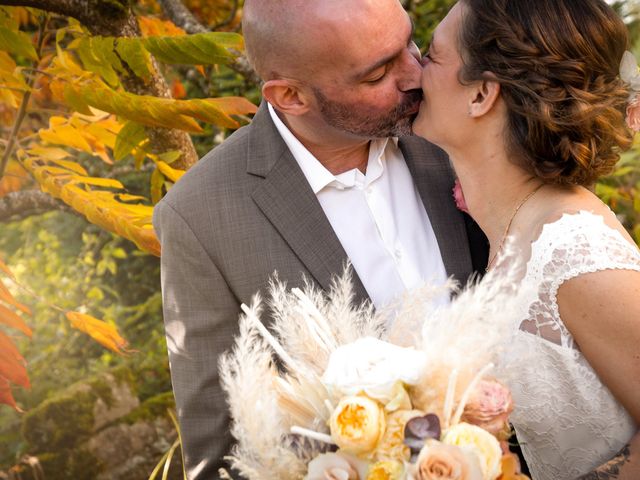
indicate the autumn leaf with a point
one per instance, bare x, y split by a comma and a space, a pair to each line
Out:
15, 177
11, 319
6, 297
12, 365
105, 334
154, 26
6, 397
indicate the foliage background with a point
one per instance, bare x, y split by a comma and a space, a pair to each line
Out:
74, 264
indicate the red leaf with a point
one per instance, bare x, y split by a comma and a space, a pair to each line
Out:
12, 365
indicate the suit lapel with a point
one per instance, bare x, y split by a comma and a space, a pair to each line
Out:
287, 200
434, 180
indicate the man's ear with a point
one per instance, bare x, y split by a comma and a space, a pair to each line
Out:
287, 96
486, 94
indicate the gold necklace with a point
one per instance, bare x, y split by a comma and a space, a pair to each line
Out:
506, 230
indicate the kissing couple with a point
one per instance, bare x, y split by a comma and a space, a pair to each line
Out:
521, 105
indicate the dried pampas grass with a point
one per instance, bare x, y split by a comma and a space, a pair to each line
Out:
268, 397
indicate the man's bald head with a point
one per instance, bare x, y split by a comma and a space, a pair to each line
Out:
292, 38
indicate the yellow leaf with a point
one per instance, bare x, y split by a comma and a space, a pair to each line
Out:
171, 173
97, 181
48, 153
105, 334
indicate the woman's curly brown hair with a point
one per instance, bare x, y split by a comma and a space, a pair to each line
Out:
558, 65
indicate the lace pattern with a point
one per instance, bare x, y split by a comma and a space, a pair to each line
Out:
567, 421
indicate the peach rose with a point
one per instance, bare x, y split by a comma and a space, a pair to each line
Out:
489, 406
438, 461
357, 424
482, 443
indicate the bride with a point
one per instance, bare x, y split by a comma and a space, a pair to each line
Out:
526, 98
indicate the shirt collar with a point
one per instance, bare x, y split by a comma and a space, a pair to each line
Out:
318, 176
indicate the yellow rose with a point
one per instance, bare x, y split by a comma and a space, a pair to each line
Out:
357, 424
386, 471
438, 461
391, 446
485, 445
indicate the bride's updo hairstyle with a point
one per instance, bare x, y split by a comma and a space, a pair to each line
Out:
558, 65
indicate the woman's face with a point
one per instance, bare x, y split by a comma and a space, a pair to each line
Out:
444, 112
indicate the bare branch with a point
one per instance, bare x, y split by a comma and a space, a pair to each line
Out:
19, 205
182, 16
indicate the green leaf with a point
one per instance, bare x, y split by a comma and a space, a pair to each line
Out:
157, 182
132, 51
198, 49
93, 54
129, 137
17, 42
170, 157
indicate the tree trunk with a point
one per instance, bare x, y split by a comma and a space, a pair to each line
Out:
115, 18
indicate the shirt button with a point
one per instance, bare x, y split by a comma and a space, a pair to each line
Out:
397, 253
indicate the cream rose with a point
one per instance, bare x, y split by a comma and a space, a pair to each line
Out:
489, 406
374, 367
357, 424
438, 461
391, 446
336, 466
485, 445
386, 471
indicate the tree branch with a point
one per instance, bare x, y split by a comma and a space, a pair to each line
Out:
183, 18
19, 205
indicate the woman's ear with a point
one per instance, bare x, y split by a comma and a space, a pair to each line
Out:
287, 96
485, 96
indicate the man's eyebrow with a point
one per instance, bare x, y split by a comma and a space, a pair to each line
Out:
382, 62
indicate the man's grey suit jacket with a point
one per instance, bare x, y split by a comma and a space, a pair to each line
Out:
242, 212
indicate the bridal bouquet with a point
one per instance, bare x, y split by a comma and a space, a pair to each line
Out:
337, 392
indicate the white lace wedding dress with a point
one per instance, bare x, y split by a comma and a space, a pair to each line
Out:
567, 421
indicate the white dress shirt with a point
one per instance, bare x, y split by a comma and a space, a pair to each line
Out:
378, 217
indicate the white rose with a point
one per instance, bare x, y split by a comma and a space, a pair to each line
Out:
336, 466
374, 367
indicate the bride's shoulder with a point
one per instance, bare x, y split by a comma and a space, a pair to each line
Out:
567, 212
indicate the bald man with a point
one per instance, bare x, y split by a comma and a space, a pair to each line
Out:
325, 173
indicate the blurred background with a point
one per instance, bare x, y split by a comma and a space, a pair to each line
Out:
102, 109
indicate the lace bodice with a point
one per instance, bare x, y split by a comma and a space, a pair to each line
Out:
567, 421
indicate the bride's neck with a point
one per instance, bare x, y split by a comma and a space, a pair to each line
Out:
493, 188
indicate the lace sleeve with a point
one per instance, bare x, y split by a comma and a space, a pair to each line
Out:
571, 246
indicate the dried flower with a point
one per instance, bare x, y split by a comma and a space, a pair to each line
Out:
489, 406
438, 461
357, 424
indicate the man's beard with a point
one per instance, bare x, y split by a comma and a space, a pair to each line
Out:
348, 118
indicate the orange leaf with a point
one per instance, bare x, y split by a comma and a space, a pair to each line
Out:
12, 365
177, 89
103, 333
6, 270
14, 179
6, 396
13, 320
154, 26
5, 295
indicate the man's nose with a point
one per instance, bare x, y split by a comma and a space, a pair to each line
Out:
411, 73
